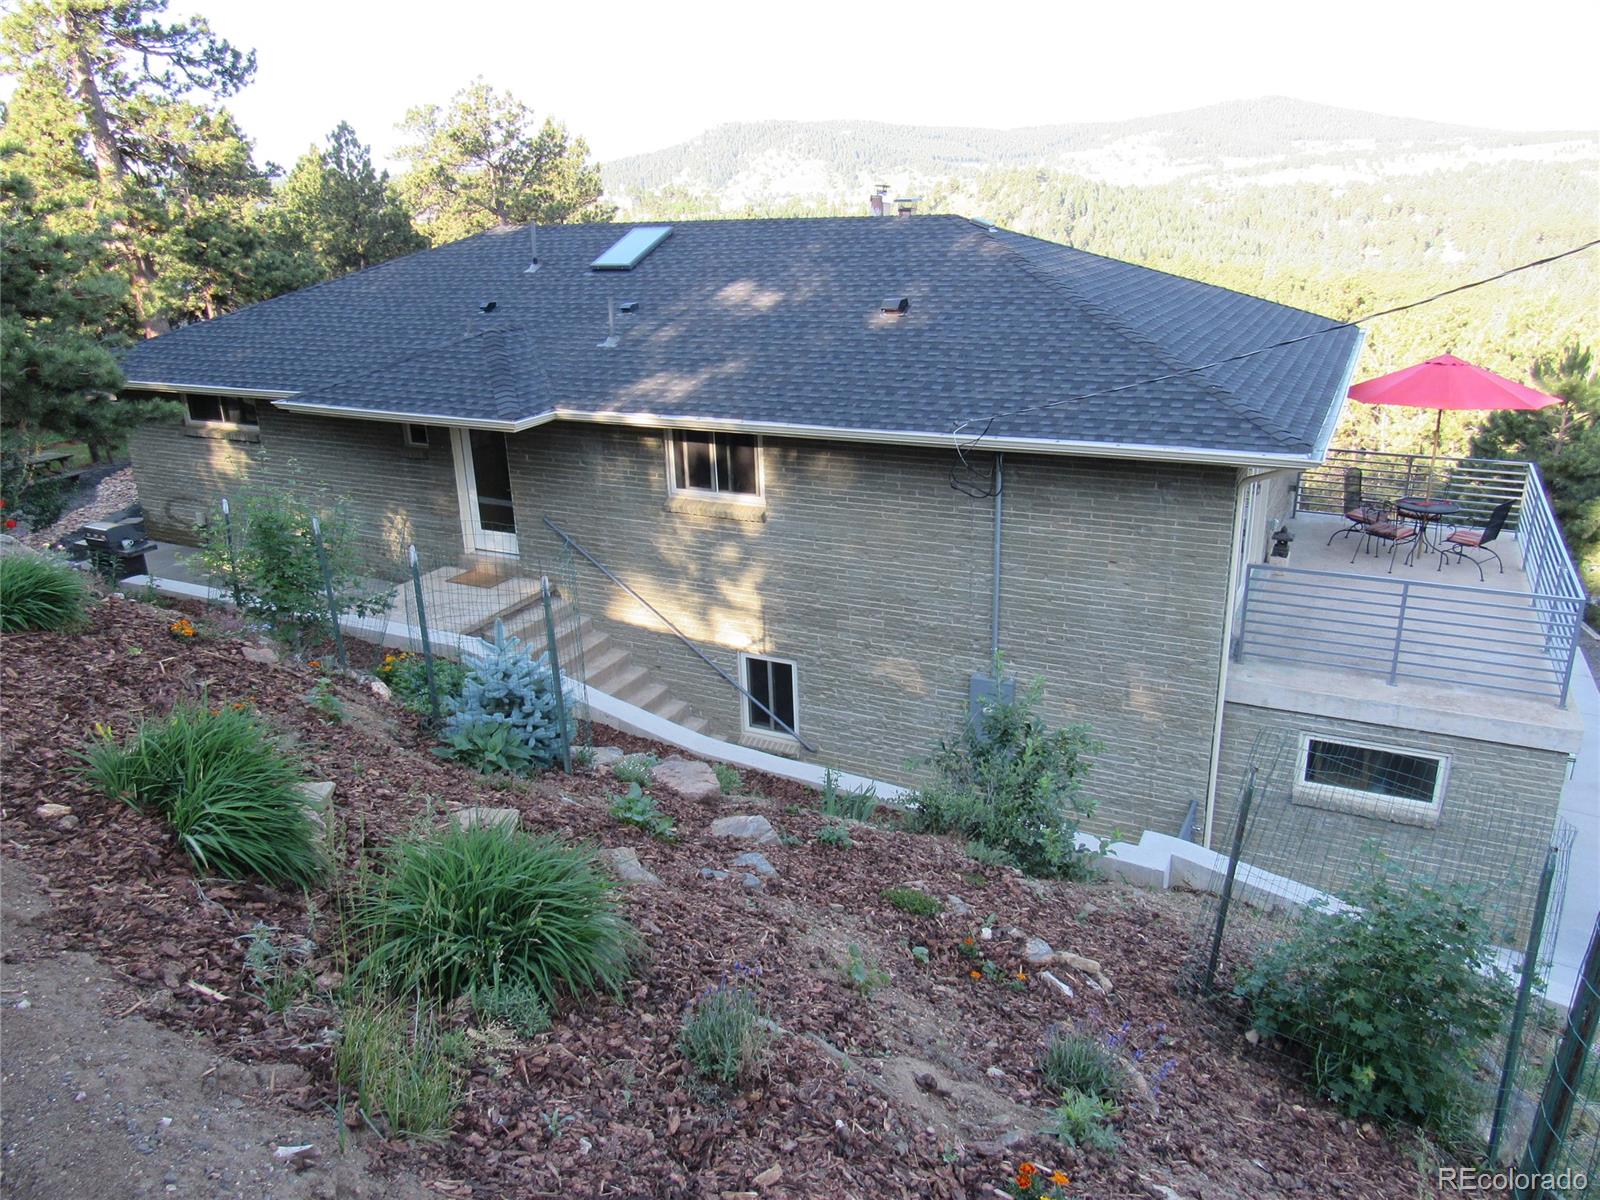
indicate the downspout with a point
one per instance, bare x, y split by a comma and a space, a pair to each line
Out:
1234, 563
994, 601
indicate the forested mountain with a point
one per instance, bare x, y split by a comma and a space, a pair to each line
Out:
1328, 209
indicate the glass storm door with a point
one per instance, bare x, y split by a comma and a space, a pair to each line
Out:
483, 480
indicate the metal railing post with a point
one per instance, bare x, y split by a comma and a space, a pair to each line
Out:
327, 588
1237, 649
1246, 795
1399, 632
427, 646
555, 675
1519, 1015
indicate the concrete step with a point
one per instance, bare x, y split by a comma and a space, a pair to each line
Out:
648, 693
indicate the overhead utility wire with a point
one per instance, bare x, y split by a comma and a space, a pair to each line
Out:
991, 418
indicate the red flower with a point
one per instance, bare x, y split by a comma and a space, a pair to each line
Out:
11, 522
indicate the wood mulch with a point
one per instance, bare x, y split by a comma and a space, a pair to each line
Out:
906, 1092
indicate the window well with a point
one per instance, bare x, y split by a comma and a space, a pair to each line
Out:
627, 252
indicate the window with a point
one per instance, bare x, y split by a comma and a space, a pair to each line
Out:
416, 436
720, 464
774, 700
221, 410
1400, 785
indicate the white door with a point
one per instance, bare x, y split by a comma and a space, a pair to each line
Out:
483, 484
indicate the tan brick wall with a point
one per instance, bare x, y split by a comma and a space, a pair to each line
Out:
1498, 812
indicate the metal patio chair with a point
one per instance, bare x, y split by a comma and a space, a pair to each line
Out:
1463, 540
1384, 530
1358, 510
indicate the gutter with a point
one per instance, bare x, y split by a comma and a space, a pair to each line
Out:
994, 602
834, 433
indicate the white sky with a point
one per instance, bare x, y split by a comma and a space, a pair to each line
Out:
633, 76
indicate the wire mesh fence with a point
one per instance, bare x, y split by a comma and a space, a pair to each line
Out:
1395, 957
366, 598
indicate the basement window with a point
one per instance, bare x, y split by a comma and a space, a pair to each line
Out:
230, 412
726, 465
773, 705
416, 436
1406, 786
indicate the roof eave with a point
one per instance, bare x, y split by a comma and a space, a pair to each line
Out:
1212, 456
206, 389
1330, 423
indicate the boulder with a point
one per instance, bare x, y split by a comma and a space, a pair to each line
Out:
745, 828
318, 795
52, 812
754, 860
1037, 952
691, 779
625, 862
504, 818
604, 756
753, 882
957, 905
380, 689
265, 655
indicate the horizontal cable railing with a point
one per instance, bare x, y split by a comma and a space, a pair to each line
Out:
1425, 632
1477, 484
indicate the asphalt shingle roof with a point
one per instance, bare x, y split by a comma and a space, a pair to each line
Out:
776, 322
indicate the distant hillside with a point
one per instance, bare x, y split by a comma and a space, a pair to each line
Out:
1273, 139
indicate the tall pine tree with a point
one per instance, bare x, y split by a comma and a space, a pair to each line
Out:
343, 210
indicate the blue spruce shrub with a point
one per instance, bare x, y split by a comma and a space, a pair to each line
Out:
505, 717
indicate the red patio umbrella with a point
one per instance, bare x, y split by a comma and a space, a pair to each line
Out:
1449, 382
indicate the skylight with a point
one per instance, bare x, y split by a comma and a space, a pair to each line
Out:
629, 249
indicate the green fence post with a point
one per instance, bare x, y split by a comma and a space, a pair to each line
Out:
1246, 794
327, 588
233, 563
427, 646
555, 676
1561, 1088
1519, 1015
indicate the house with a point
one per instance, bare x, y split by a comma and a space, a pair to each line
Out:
852, 460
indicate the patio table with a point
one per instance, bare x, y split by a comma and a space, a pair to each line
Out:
1426, 511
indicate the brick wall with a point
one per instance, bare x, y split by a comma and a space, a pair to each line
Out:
1499, 807
395, 495
873, 575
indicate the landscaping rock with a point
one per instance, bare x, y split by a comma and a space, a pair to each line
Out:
1037, 952
1060, 985
746, 828
1087, 967
380, 689
505, 818
712, 873
957, 905
754, 860
690, 779
604, 756
625, 862
753, 882
265, 655
52, 812
317, 795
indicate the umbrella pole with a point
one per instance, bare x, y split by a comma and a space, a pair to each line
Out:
1433, 463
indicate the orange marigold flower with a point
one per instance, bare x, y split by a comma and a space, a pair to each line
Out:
1059, 1178
315, 662
967, 942
976, 974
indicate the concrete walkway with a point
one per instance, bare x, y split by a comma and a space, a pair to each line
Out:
1580, 807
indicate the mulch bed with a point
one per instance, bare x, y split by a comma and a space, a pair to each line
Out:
601, 1104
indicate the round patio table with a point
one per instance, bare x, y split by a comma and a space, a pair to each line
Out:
1426, 511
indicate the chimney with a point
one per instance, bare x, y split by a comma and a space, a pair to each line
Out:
906, 206
533, 246
879, 191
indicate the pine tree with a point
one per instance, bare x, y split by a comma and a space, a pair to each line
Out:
347, 213
481, 163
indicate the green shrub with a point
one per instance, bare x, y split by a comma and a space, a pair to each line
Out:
39, 592
1084, 1120
1075, 1061
634, 768
836, 835
636, 808
229, 793
517, 1005
279, 972
395, 1060
986, 855
265, 556
913, 900
406, 674
1388, 997
488, 746
509, 687
486, 906
728, 778
861, 973
326, 701
852, 804
1010, 782
723, 1034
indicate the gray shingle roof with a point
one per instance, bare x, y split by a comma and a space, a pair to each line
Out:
776, 322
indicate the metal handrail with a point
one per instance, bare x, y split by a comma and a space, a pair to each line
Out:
1412, 629
678, 633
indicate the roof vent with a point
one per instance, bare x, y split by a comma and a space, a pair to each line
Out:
609, 342
629, 250
533, 245
895, 304
489, 307
627, 306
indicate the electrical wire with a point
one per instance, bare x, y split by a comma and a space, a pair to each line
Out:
960, 477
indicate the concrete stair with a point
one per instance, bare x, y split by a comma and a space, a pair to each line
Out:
605, 663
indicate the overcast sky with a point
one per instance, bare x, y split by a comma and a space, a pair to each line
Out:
639, 76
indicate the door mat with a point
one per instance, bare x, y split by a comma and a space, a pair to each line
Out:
482, 576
